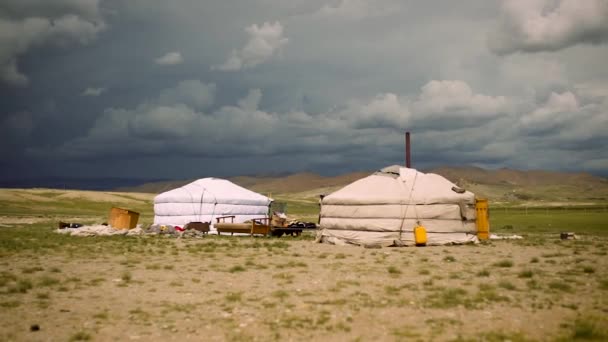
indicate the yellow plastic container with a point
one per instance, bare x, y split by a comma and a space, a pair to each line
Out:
483, 219
420, 236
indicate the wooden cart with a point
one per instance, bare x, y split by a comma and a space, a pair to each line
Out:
260, 226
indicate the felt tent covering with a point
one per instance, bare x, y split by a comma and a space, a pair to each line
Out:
205, 199
387, 205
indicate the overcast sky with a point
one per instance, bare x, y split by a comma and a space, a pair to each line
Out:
189, 88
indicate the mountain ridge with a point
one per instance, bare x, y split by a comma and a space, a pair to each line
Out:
496, 184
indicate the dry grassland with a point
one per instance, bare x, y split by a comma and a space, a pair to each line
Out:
223, 288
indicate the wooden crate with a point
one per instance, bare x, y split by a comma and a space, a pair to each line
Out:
123, 218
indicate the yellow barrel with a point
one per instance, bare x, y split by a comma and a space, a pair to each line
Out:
420, 236
483, 219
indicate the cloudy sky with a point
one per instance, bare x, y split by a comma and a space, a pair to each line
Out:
188, 88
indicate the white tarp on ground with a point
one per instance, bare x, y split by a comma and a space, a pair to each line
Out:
387, 205
99, 230
205, 199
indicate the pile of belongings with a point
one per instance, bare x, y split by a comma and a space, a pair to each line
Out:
302, 225
155, 229
99, 230
174, 231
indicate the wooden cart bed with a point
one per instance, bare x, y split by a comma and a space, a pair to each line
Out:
256, 226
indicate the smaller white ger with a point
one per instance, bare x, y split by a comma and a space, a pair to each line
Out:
206, 199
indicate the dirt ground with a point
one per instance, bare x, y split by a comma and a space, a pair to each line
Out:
224, 288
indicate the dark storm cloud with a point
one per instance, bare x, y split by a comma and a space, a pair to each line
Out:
190, 87
32, 23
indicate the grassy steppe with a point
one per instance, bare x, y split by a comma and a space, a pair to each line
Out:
244, 289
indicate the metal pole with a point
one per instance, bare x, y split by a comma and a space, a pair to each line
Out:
408, 156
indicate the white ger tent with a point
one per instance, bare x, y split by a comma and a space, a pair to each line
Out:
387, 205
205, 199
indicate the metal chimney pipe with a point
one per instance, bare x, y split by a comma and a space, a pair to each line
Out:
408, 154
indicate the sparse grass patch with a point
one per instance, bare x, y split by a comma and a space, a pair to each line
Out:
236, 268
139, 315
43, 295
501, 336
449, 258
126, 277
487, 294
80, 336
348, 282
234, 297
340, 256
526, 274
553, 255
405, 333
392, 290
292, 264
503, 263
21, 286
507, 285
560, 286
394, 270
29, 270
483, 273
587, 329
9, 304
588, 269
284, 276
447, 298
47, 281
101, 315
6, 277
534, 260
424, 271
95, 281
532, 284
280, 294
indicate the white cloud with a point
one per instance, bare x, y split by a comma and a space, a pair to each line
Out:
532, 72
251, 101
358, 9
93, 91
37, 23
557, 109
170, 58
592, 89
456, 98
171, 122
264, 42
548, 25
162, 122
383, 111
193, 93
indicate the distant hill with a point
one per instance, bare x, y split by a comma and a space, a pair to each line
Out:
534, 185
498, 185
295, 183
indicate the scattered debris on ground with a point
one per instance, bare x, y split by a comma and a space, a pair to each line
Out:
505, 237
106, 230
